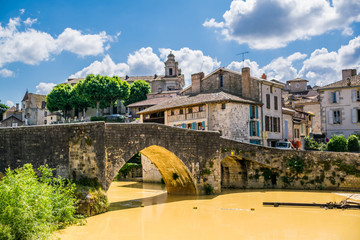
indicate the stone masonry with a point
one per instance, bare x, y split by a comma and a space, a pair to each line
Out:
190, 162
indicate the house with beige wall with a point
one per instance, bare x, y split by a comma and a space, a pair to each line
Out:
340, 105
226, 101
33, 108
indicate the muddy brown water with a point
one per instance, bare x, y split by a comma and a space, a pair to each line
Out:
145, 211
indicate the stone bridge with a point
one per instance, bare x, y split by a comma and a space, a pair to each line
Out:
190, 162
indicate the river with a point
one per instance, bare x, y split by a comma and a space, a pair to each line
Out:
145, 211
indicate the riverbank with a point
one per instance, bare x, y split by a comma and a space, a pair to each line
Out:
145, 211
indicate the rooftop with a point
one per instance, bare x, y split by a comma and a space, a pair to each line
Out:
149, 102
353, 81
201, 98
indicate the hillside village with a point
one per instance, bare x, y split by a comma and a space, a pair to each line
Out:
240, 106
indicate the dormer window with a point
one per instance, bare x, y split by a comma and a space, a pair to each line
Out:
170, 71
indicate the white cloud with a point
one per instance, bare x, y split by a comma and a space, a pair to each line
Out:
22, 11
105, 67
191, 61
274, 23
30, 21
6, 73
83, 45
10, 103
44, 88
254, 67
31, 46
145, 62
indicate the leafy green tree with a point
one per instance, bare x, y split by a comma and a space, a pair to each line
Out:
3, 109
95, 89
337, 144
116, 90
78, 99
311, 144
59, 99
353, 143
138, 91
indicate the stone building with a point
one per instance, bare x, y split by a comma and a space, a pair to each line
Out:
297, 85
12, 117
33, 107
227, 101
271, 94
340, 105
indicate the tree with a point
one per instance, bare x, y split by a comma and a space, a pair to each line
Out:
337, 144
138, 91
59, 99
78, 99
95, 89
3, 109
116, 90
353, 143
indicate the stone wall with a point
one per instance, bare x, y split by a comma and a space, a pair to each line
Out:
74, 150
149, 171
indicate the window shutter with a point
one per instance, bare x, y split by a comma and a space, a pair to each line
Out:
203, 124
286, 129
354, 115
257, 111
331, 117
251, 112
251, 127
257, 128
193, 125
337, 97
353, 94
183, 125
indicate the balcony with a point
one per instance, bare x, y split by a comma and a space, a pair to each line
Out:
187, 116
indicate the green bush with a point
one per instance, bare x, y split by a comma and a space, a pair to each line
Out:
311, 144
337, 144
31, 207
353, 143
95, 119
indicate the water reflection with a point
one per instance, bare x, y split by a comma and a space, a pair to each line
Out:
145, 211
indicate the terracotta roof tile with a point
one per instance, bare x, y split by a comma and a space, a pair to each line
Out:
201, 98
353, 82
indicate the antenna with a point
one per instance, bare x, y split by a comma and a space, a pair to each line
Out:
243, 57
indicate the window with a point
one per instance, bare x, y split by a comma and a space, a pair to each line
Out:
181, 111
223, 106
268, 101
296, 133
190, 110
45, 121
14, 124
274, 125
172, 113
337, 117
201, 108
358, 115
189, 126
271, 89
358, 95
221, 81
254, 128
275, 102
335, 97
170, 71
297, 85
267, 123
45, 114
254, 112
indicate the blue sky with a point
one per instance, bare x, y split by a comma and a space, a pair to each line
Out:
42, 43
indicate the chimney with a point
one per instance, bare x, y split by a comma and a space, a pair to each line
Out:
196, 82
17, 107
155, 76
347, 73
126, 77
245, 82
264, 76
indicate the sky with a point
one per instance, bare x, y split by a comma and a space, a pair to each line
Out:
43, 43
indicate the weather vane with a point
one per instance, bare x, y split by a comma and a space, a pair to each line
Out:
243, 57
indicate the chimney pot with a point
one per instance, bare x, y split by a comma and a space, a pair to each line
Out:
264, 76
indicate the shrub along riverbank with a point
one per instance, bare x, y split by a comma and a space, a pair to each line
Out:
34, 204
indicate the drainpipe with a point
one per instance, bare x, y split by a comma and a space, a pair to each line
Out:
262, 115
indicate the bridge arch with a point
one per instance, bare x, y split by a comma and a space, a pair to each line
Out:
176, 175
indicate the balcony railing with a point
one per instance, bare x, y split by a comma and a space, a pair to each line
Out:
187, 116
